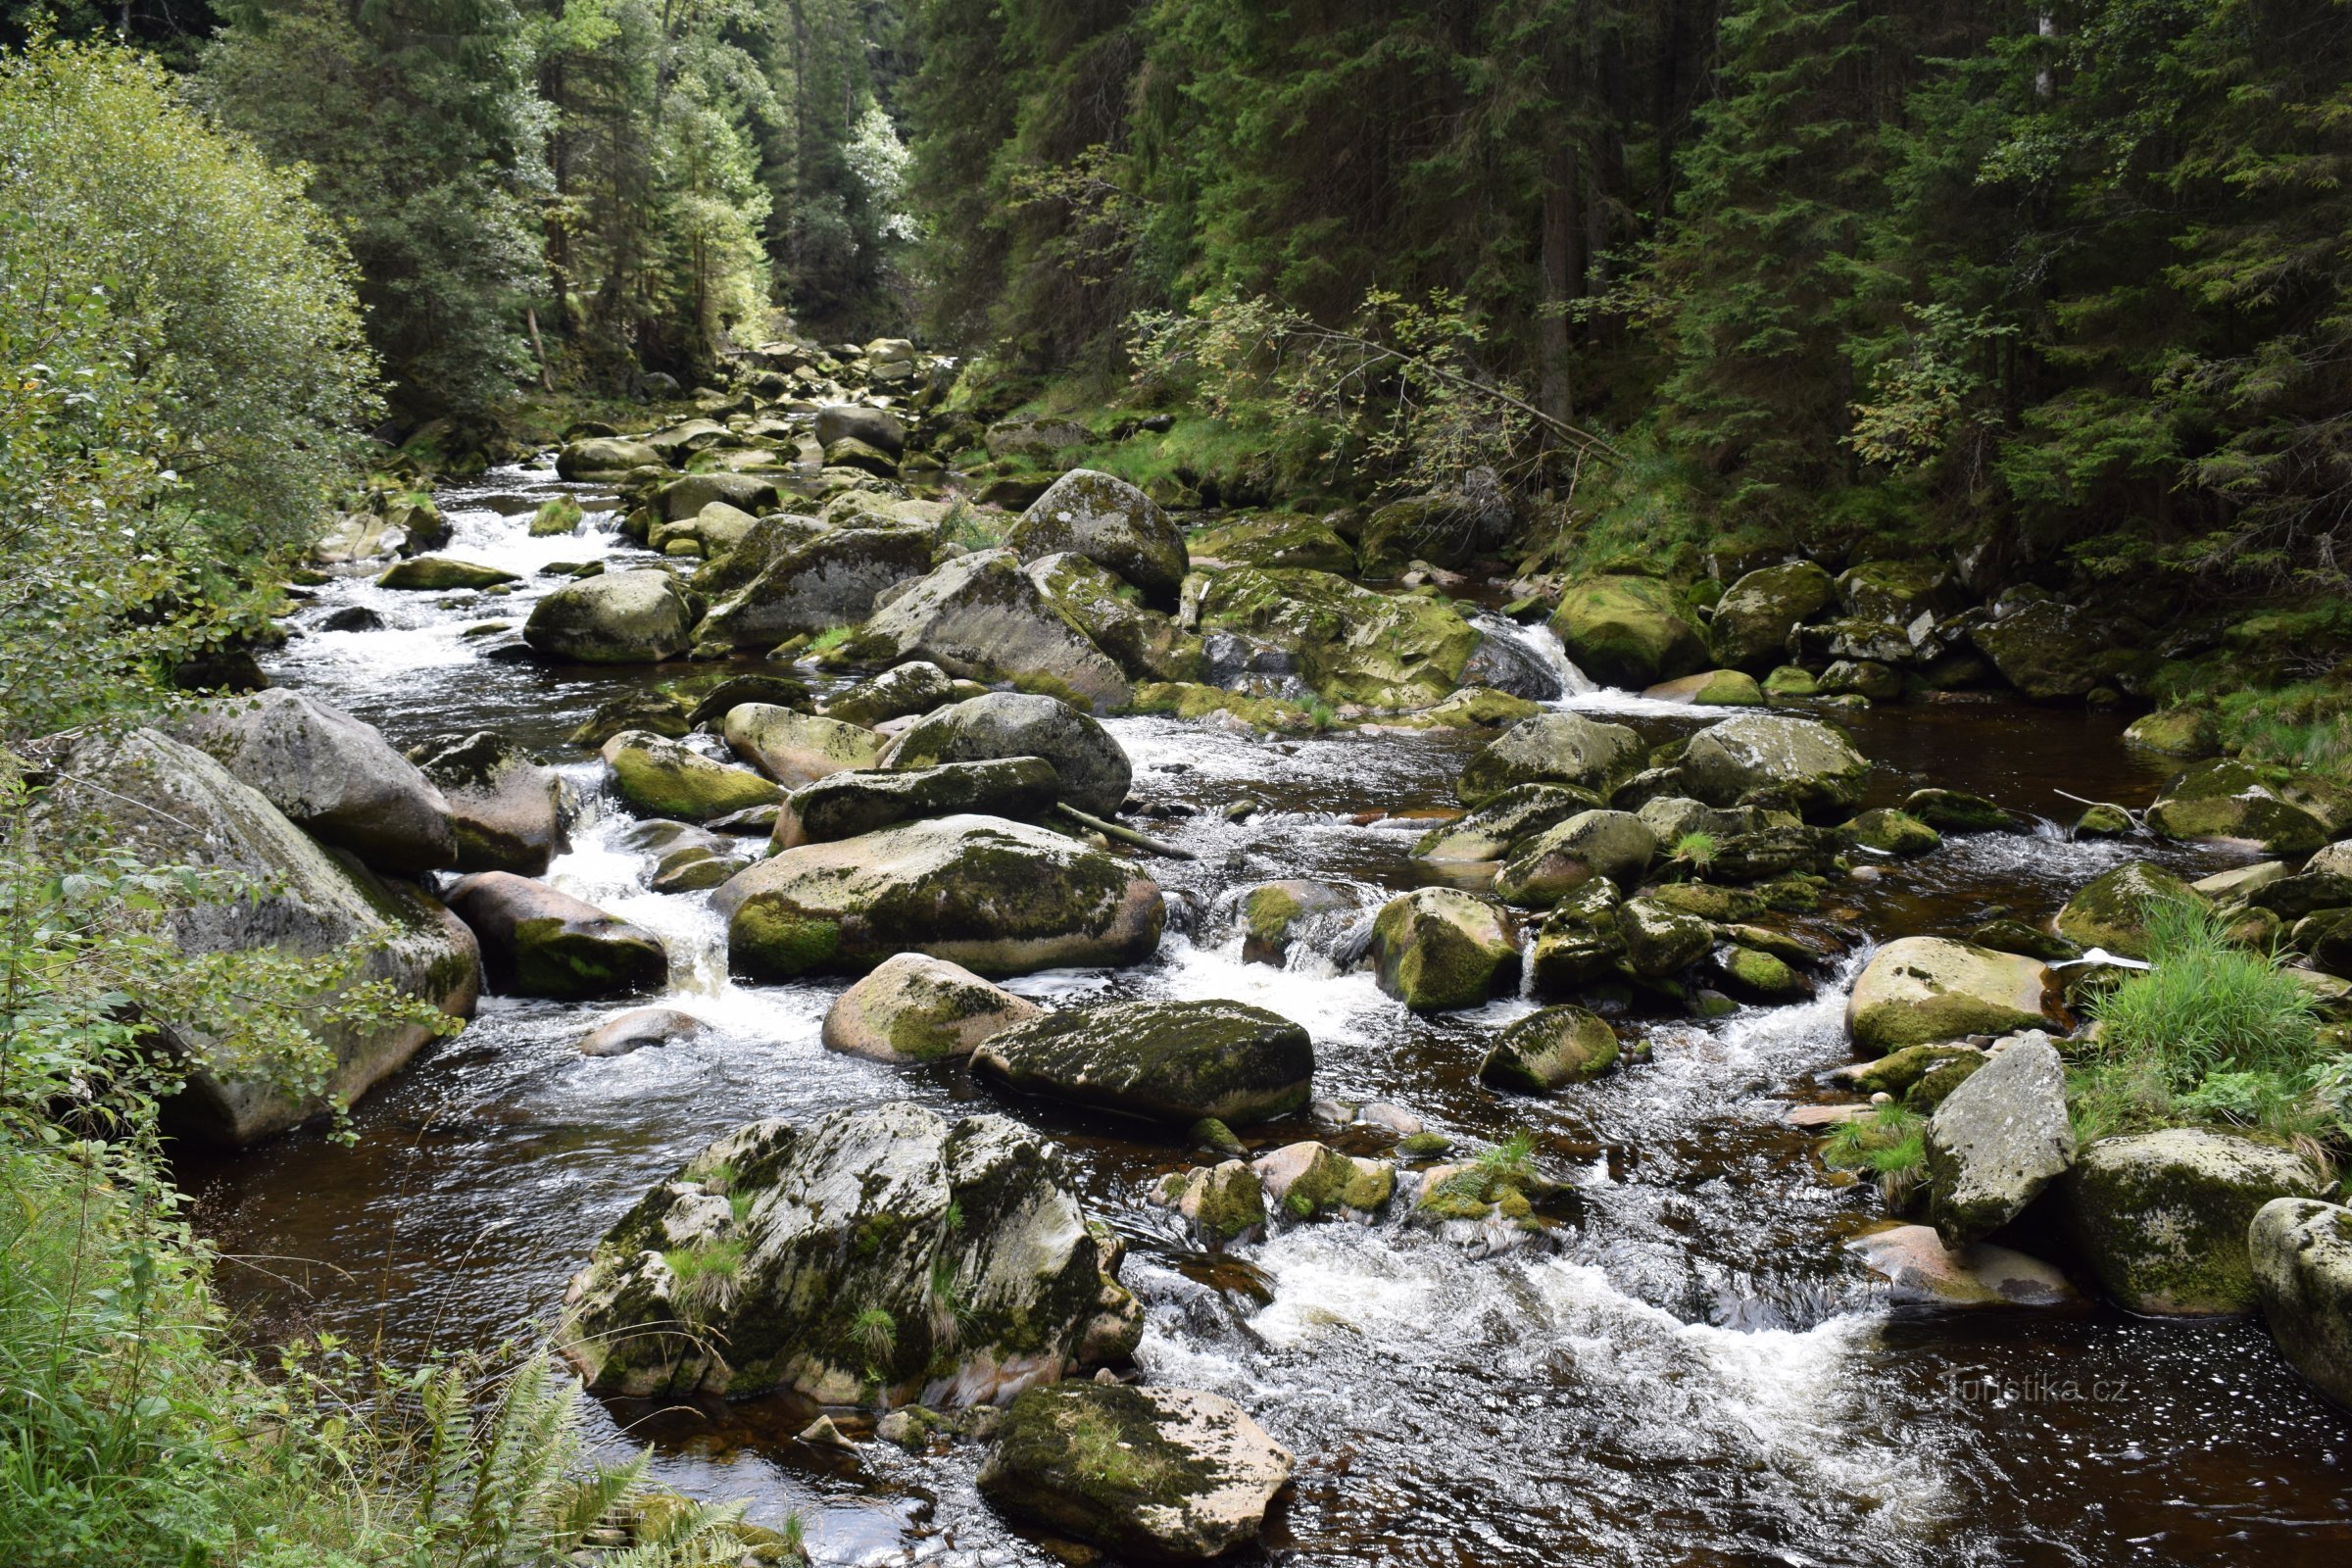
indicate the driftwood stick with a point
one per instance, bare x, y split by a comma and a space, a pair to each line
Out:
1125, 835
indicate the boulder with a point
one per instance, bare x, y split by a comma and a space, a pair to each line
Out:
2229, 799
2044, 649
879, 1254
2111, 911
1922, 990
1145, 644
1092, 766
1887, 831
767, 540
912, 687
335, 777
1352, 645
1444, 527
1438, 948
718, 529
1275, 914
1164, 1061
620, 617
1778, 757
1308, 1181
640, 1028
842, 805
169, 804
441, 574
999, 898
714, 705
1628, 631
557, 515
606, 458
980, 617
1714, 688
1898, 591
1921, 1271
1579, 941
663, 777
1554, 863
1112, 523
850, 453
2161, 1218
1549, 1050
1276, 539
830, 581
1958, 811
2189, 732
1193, 1478
1660, 940
1516, 814
538, 941
2301, 1253
656, 711
1754, 619
746, 492
1222, 1202
848, 421
1552, 748
506, 807
1997, 1140
797, 749
916, 1009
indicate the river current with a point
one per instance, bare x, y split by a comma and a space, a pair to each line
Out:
1698, 1374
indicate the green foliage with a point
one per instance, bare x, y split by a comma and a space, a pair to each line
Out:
829, 638
1511, 1161
1890, 1142
1695, 848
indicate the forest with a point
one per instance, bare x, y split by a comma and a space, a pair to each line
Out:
1458, 782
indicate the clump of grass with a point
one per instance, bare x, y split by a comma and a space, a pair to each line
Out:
1321, 714
875, 1333
1511, 1161
1695, 848
826, 641
1890, 1145
708, 1276
972, 528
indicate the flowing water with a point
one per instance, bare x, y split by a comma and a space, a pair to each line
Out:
1698, 1374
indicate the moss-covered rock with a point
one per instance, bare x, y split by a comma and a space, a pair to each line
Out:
2301, 1252
1166, 1062
2043, 649
2104, 820
656, 713
910, 689
880, 1253
1578, 942
2111, 911
606, 458
1438, 948
1547, 866
832, 580
2189, 732
622, 618
2162, 1218
1777, 758
1997, 1140
1352, 645
1790, 683
1190, 700
1861, 677
842, 805
1925, 989
1888, 831
1628, 631
979, 617
1754, 619
1112, 523
1149, 1473
1897, 1071
1755, 976
538, 941
1222, 1202
1274, 915
665, 777
999, 898
1277, 539
441, 574
916, 1009
1552, 748
1549, 1050
1714, 688
1307, 1181
2228, 800
1093, 768
1660, 941
1145, 644
1514, 816
797, 749
1958, 811
1899, 590
1471, 707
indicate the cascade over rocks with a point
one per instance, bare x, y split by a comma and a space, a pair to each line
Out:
980, 617
1167, 1061
2162, 1218
507, 807
334, 777
539, 941
914, 1008
169, 804
999, 898
618, 617
1109, 522
1091, 767
765, 1262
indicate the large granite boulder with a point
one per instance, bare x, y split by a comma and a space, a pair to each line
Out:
1352, 645
1165, 1061
1921, 991
537, 940
1516, 814
2161, 1218
2111, 910
2043, 649
1776, 758
1552, 748
1440, 948
878, 428
1755, 615
2302, 1260
1997, 1140
1628, 631
842, 805
914, 1008
2230, 800
335, 777
616, 617
913, 688
505, 806
665, 777
1147, 644
1552, 864
879, 1254
999, 898
1549, 1049
797, 749
980, 617
1112, 523
606, 458
830, 581
1093, 768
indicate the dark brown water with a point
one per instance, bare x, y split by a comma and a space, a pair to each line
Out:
1697, 1375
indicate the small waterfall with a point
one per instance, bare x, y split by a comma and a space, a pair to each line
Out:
1535, 649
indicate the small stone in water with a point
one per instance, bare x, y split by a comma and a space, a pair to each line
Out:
1865, 873
1396, 1119
821, 1433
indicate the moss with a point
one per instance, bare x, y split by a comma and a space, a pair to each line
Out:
787, 942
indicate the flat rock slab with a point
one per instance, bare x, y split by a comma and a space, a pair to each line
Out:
1920, 1270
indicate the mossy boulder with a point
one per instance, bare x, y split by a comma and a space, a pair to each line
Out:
1516, 814
1552, 748
746, 492
504, 806
916, 1008
832, 580
851, 453
1752, 619
442, 574
1275, 915
1925, 989
765, 540
1892, 832
1213, 704
2103, 820
2161, 1218
880, 1255
1164, 1061
999, 898
1754, 975
2228, 800
797, 749
1579, 941
606, 458
1714, 688
2301, 1252
1549, 1049
558, 514
622, 618
1659, 939
1861, 677
842, 805
1628, 631
2189, 732
1549, 865
1997, 1140
1789, 683
1897, 589
1777, 758
2111, 911
1277, 539
1145, 642
663, 777
910, 690
1091, 767
2044, 649
1308, 1181
1895, 1072
539, 941
1350, 644
1958, 811
1109, 522
1148, 1473
850, 422
1223, 1202
1440, 948
979, 617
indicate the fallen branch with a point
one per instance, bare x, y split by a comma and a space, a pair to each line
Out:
1125, 835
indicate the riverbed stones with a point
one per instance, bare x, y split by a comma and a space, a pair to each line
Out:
1554, 863
797, 749
2161, 1218
842, 805
1921, 1271
910, 689
1922, 990
1660, 940
1311, 1181
1193, 1479
537, 940
506, 807
1548, 1050
620, 617
1514, 816
879, 1254
1752, 619
1109, 522
1628, 631
663, 777
1275, 915
1552, 748
2229, 799
916, 1008
1166, 1062
1440, 948
1997, 1140
169, 804
979, 617
335, 777
830, 581
1776, 758
1886, 831
1000, 897
1714, 688
2111, 911
2301, 1254
1348, 643
1093, 768
638, 1029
